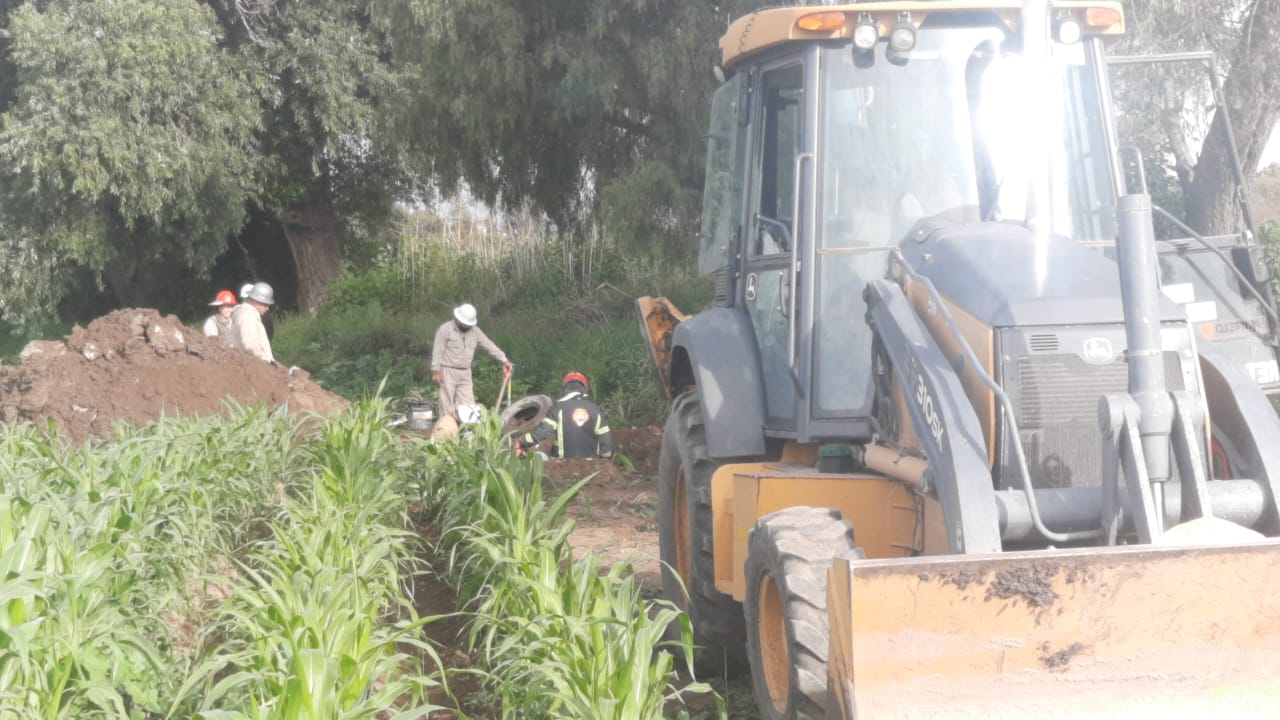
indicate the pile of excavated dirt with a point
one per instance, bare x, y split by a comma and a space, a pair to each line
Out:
135, 366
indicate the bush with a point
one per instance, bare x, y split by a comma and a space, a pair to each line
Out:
546, 323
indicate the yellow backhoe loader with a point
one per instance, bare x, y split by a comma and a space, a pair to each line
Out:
959, 436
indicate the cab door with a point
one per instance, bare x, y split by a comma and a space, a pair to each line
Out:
770, 277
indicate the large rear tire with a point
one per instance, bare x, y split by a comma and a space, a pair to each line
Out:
685, 536
788, 555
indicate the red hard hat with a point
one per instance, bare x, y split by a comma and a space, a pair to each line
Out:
224, 297
575, 376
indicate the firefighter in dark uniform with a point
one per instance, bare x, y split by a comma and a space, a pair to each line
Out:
577, 424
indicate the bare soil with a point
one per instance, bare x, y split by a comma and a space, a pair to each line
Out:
615, 513
135, 366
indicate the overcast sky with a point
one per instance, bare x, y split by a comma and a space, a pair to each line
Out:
1271, 153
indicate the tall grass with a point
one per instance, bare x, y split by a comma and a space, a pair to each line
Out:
548, 323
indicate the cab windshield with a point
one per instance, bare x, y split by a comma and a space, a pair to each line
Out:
946, 133
949, 131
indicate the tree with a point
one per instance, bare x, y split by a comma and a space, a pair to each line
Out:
113, 162
1244, 37
565, 103
141, 135
330, 165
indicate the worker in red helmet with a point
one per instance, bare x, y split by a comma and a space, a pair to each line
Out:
219, 323
576, 422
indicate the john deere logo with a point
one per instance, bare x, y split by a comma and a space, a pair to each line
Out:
1098, 351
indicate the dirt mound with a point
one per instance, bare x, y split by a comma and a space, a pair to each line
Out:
136, 365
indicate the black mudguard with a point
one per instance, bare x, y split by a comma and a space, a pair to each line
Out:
718, 347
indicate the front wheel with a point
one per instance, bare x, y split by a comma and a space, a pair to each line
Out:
789, 553
685, 535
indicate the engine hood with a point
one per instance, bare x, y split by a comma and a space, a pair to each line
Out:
989, 270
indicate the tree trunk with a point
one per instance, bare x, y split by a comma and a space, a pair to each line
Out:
313, 238
1252, 94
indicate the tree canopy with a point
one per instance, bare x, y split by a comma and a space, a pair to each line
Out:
1176, 123
141, 135
114, 161
579, 106
143, 139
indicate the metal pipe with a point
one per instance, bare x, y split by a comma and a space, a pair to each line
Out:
1139, 289
1039, 104
794, 261
895, 464
1242, 501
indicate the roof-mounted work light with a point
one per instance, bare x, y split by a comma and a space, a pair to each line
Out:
866, 33
1067, 30
902, 38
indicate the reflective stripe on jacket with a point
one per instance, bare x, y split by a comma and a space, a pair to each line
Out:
579, 428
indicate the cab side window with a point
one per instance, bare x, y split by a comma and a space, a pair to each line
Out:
782, 137
722, 194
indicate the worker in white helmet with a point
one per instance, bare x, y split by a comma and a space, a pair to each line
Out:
267, 321
452, 351
247, 330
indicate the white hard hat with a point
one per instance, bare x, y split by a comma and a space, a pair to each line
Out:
244, 290
468, 414
465, 314
263, 293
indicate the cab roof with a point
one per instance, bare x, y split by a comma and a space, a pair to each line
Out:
770, 28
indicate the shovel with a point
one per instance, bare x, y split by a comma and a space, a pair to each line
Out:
505, 389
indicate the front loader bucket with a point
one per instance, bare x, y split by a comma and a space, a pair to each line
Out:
1079, 633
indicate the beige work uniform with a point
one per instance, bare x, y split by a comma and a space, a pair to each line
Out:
451, 353
248, 332
218, 326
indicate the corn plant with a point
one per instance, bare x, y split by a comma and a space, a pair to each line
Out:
560, 638
319, 623
67, 649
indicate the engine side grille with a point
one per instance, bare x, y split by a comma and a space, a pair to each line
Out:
1056, 396
1065, 389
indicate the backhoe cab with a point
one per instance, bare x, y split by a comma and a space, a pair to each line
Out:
953, 439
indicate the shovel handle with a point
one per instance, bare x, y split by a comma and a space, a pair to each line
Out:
506, 388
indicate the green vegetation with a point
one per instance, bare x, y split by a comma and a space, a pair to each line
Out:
560, 638
380, 323
209, 569
256, 567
